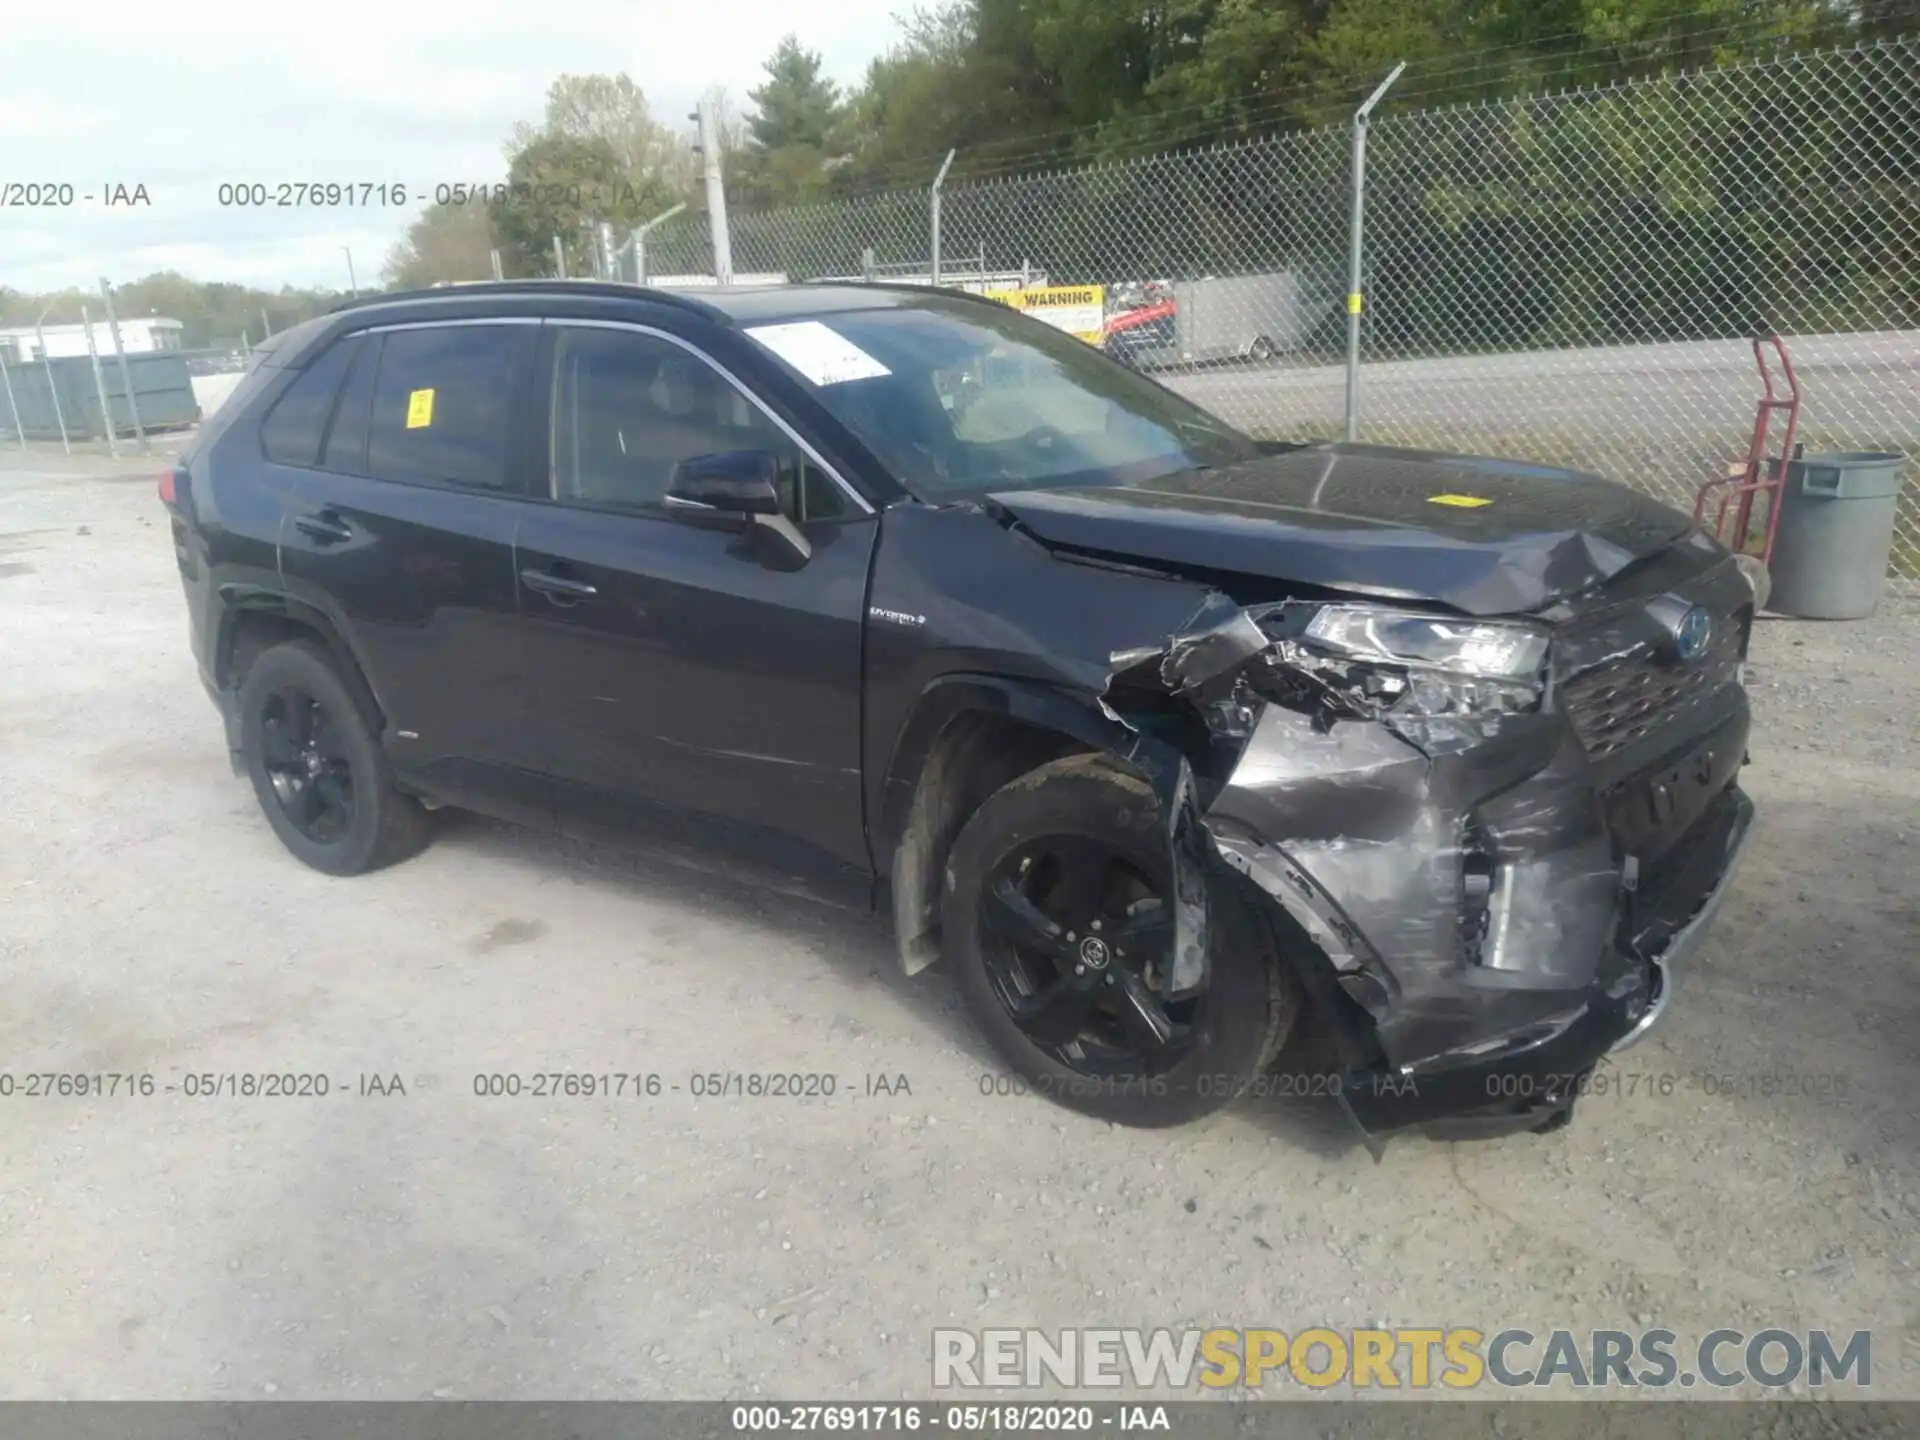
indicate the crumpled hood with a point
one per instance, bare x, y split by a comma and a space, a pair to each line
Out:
1487, 537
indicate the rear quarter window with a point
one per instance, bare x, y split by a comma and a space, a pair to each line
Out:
296, 425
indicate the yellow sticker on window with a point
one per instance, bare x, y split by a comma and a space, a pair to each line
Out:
1463, 502
419, 409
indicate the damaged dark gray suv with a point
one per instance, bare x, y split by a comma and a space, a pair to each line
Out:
1166, 739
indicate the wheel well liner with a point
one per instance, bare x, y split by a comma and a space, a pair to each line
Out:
967, 736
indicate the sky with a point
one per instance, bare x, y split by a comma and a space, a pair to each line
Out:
181, 98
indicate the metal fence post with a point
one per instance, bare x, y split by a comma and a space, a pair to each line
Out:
493, 257
126, 372
53, 385
640, 241
100, 385
266, 325
1356, 297
559, 259
933, 213
6, 374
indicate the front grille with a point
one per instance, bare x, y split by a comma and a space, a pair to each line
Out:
1623, 700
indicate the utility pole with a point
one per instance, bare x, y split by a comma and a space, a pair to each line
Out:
126, 372
353, 285
559, 259
494, 257
709, 151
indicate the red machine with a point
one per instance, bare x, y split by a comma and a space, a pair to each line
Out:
1758, 476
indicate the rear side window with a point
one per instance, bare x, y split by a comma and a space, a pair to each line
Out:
346, 442
295, 426
442, 402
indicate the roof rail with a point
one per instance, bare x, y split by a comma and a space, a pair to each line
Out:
466, 289
898, 287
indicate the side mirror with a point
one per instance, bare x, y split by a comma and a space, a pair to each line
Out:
742, 484
738, 482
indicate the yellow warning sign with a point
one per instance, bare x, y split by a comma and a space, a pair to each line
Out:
1463, 502
1079, 310
419, 409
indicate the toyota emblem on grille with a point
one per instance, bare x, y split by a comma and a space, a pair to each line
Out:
1693, 634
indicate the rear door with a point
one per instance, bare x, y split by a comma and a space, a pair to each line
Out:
402, 531
678, 666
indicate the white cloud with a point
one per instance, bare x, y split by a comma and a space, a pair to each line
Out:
182, 98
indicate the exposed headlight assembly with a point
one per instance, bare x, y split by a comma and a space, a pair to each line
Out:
1433, 664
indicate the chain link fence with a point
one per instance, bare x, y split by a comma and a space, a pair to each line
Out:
1570, 278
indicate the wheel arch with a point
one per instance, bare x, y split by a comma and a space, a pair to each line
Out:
254, 620
966, 736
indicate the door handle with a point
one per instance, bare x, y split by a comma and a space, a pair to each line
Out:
325, 526
561, 589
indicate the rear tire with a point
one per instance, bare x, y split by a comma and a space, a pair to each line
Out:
1226, 1036
317, 767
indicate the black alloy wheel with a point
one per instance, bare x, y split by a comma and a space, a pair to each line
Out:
317, 766
305, 757
1080, 951
1057, 923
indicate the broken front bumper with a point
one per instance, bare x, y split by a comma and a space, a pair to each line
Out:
1533, 1083
1497, 901
1499, 935
1670, 962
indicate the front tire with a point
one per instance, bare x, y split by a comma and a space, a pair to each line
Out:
1057, 922
317, 768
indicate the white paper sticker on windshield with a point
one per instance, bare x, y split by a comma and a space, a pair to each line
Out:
818, 352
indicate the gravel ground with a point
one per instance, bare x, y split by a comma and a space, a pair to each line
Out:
440, 1244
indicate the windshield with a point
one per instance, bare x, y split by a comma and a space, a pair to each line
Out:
958, 396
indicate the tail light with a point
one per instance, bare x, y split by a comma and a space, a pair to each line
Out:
173, 486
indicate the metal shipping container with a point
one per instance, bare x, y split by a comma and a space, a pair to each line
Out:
161, 385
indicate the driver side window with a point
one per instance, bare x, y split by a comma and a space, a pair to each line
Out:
628, 408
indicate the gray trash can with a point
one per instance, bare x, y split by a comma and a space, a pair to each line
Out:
1836, 532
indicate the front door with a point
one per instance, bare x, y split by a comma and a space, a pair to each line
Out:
679, 667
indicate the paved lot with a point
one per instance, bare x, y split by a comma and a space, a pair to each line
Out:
440, 1244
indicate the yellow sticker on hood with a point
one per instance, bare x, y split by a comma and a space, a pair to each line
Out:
1463, 502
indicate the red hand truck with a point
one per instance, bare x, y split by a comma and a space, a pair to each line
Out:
1758, 476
